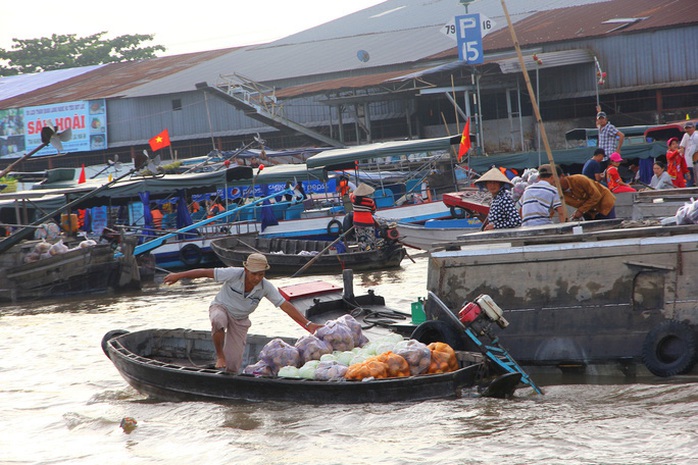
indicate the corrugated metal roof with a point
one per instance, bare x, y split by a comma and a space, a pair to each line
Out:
396, 34
578, 22
11, 86
355, 82
102, 81
549, 60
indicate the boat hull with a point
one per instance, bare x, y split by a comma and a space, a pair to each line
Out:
595, 298
232, 251
90, 270
176, 364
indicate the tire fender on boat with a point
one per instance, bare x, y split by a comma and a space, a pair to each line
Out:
190, 254
334, 227
457, 212
111, 335
670, 349
439, 331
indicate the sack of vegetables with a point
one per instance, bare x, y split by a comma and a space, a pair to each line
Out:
371, 368
397, 366
311, 348
330, 371
337, 334
276, 354
417, 355
259, 369
443, 358
356, 333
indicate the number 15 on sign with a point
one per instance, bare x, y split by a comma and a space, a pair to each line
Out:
469, 35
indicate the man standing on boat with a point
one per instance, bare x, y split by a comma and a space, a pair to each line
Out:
242, 290
610, 138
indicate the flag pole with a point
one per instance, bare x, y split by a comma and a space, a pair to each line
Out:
536, 110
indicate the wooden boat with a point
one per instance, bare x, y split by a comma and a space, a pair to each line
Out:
613, 302
177, 364
286, 256
433, 234
89, 270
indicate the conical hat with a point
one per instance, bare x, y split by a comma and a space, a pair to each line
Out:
364, 190
494, 175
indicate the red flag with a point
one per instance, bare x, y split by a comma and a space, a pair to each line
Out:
464, 140
82, 179
160, 141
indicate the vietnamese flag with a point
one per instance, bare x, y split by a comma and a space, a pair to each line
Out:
160, 141
81, 179
464, 140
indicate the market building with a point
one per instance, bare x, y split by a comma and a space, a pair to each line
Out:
388, 72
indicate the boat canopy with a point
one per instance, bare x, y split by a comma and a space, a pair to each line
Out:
284, 172
578, 155
339, 159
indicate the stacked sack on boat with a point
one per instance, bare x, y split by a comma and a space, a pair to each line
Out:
339, 351
44, 249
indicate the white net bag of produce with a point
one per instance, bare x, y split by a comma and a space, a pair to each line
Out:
307, 371
261, 368
383, 344
311, 347
337, 334
417, 354
345, 357
330, 371
289, 372
277, 353
356, 332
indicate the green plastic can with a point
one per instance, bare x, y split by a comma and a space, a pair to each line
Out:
418, 315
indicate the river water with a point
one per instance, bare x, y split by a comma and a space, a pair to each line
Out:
61, 401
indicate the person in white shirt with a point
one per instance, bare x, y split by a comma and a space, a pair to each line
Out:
661, 179
688, 147
242, 290
541, 200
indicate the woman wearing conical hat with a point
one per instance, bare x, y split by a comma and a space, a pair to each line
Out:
503, 213
364, 207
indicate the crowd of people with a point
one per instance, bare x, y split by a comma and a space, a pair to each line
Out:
590, 193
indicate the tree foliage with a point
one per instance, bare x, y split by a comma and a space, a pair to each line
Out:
71, 51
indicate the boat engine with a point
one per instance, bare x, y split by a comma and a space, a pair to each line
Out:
481, 313
388, 231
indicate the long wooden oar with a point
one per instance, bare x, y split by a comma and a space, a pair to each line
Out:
307, 265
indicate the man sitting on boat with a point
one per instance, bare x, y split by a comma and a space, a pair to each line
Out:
364, 224
242, 290
541, 200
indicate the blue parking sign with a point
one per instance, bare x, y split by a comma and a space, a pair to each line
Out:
469, 35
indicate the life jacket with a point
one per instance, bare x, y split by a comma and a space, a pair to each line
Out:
363, 210
343, 187
215, 209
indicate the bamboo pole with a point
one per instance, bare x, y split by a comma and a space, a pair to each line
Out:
536, 110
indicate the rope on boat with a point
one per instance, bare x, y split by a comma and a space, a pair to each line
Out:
384, 318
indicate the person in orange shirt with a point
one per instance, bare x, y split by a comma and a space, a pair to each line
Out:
676, 163
613, 179
157, 217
